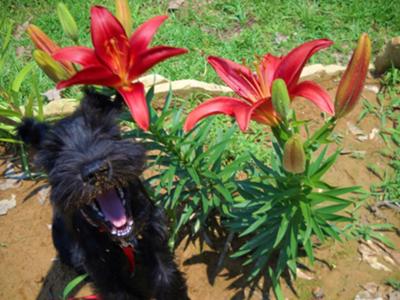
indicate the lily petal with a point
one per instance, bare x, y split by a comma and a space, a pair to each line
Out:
220, 105
141, 38
109, 39
316, 94
135, 98
263, 112
293, 63
151, 57
77, 54
92, 75
237, 77
269, 65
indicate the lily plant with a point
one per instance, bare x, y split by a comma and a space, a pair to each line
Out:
284, 203
254, 88
116, 60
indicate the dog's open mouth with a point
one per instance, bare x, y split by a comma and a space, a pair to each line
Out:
109, 210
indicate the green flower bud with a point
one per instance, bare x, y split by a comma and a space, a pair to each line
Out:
67, 21
53, 69
294, 158
281, 99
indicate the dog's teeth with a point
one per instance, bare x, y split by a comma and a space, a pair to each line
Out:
130, 222
94, 206
114, 231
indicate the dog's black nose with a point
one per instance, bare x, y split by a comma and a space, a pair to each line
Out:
95, 170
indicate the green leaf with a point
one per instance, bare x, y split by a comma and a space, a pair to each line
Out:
260, 221
332, 208
317, 230
309, 250
224, 192
9, 113
283, 227
149, 99
192, 172
265, 169
317, 198
314, 166
276, 285
16, 85
325, 166
73, 284
167, 101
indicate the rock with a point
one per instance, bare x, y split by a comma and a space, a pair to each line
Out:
318, 293
372, 87
43, 195
394, 295
188, 86
52, 94
60, 107
152, 79
390, 55
9, 184
7, 204
374, 252
354, 129
312, 70
304, 275
374, 132
175, 4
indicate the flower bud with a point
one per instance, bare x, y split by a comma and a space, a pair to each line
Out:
67, 21
41, 40
123, 15
294, 158
281, 99
53, 69
352, 82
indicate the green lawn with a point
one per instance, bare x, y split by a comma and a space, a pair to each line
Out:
233, 29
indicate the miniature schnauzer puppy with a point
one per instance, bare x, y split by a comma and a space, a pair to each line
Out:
103, 220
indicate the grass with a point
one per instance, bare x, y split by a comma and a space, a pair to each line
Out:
233, 29
387, 111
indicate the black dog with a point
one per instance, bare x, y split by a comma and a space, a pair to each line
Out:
103, 221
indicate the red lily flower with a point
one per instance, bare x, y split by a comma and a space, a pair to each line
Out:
117, 60
255, 88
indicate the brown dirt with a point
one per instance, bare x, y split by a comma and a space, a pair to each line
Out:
30, 270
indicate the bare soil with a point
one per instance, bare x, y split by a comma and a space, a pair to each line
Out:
29, 268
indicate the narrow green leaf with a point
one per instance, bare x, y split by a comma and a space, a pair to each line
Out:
16, 85
260, 221
73, 284
167, 101
314, 166
326, 165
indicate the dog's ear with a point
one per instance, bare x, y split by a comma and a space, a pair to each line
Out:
32, 132
98, 103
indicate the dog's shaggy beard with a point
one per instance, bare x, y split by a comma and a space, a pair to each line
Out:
124, 161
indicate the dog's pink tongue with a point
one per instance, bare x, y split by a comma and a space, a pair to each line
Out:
112, 208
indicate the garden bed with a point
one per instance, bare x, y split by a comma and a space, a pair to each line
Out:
30, 268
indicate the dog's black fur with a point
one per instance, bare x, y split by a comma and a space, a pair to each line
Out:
85, 156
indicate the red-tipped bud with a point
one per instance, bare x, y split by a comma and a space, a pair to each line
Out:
294, 158
41, 40
352, 82
123, 15
53, 69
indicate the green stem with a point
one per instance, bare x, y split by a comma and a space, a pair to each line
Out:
326, 128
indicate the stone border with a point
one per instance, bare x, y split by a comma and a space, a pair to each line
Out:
183, 88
